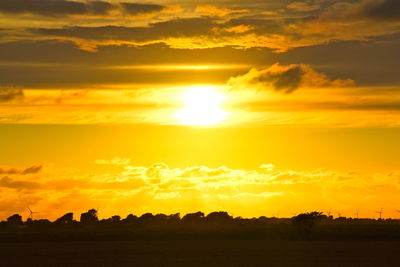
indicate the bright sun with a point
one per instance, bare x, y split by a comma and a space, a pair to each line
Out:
202, 107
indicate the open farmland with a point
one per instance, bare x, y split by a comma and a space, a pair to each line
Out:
201, 253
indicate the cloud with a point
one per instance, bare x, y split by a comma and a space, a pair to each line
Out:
195, 187
32, 170
99, 7
212, 10
17, 171
362, 105
156, 173
239, 29
18, 184
334, 21
267, 167
139, 9
285, 79
331, 21
381, 10
353, 21
153, 32
55, 7
202, 171
180, 33
10, 94
304, 6
113, 161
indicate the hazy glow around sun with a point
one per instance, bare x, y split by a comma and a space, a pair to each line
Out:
202, 107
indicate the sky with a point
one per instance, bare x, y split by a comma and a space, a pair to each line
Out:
259, 107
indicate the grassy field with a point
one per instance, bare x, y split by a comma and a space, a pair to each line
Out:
201, 253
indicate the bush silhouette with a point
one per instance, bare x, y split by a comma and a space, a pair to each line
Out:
305, 222
15, 219
89, 217
66, 218
130, 219
195, 225
193, 218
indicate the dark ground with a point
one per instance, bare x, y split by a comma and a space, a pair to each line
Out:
201, 253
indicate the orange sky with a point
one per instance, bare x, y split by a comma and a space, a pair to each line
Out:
253, 107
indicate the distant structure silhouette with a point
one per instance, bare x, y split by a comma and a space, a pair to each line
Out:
380, 212
357, 214
31, 213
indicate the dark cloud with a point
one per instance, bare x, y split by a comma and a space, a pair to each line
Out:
68, 7
360, 105
176, 27
82, 69
100, 7
18, 184
55, 7
262, 106
30, 170
284, 79
373, 63
9, 94
378, 9
139, 9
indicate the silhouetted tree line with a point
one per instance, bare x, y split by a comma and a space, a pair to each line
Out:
215, 224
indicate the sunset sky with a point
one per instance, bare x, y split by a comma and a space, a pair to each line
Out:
255, 107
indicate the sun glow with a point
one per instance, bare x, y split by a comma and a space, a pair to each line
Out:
202, 107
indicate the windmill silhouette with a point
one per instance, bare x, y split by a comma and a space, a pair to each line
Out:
31, 213
356, 214
380, 212
329, 213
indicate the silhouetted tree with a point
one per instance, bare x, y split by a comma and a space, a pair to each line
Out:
193, 218
114, 219
219, 216
146, 217
174, 218
130, 219
219, 219
15, 219
305, 222
66, 218
89, 217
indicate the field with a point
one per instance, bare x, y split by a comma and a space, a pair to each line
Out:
201, 253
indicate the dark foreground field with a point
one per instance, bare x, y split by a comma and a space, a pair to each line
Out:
202, 253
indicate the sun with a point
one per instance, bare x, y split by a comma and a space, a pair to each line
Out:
202, 107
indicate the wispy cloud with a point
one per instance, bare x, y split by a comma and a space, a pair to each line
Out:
10, 94
198, 186
285, 79
212, 10
18, 171
113, 161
